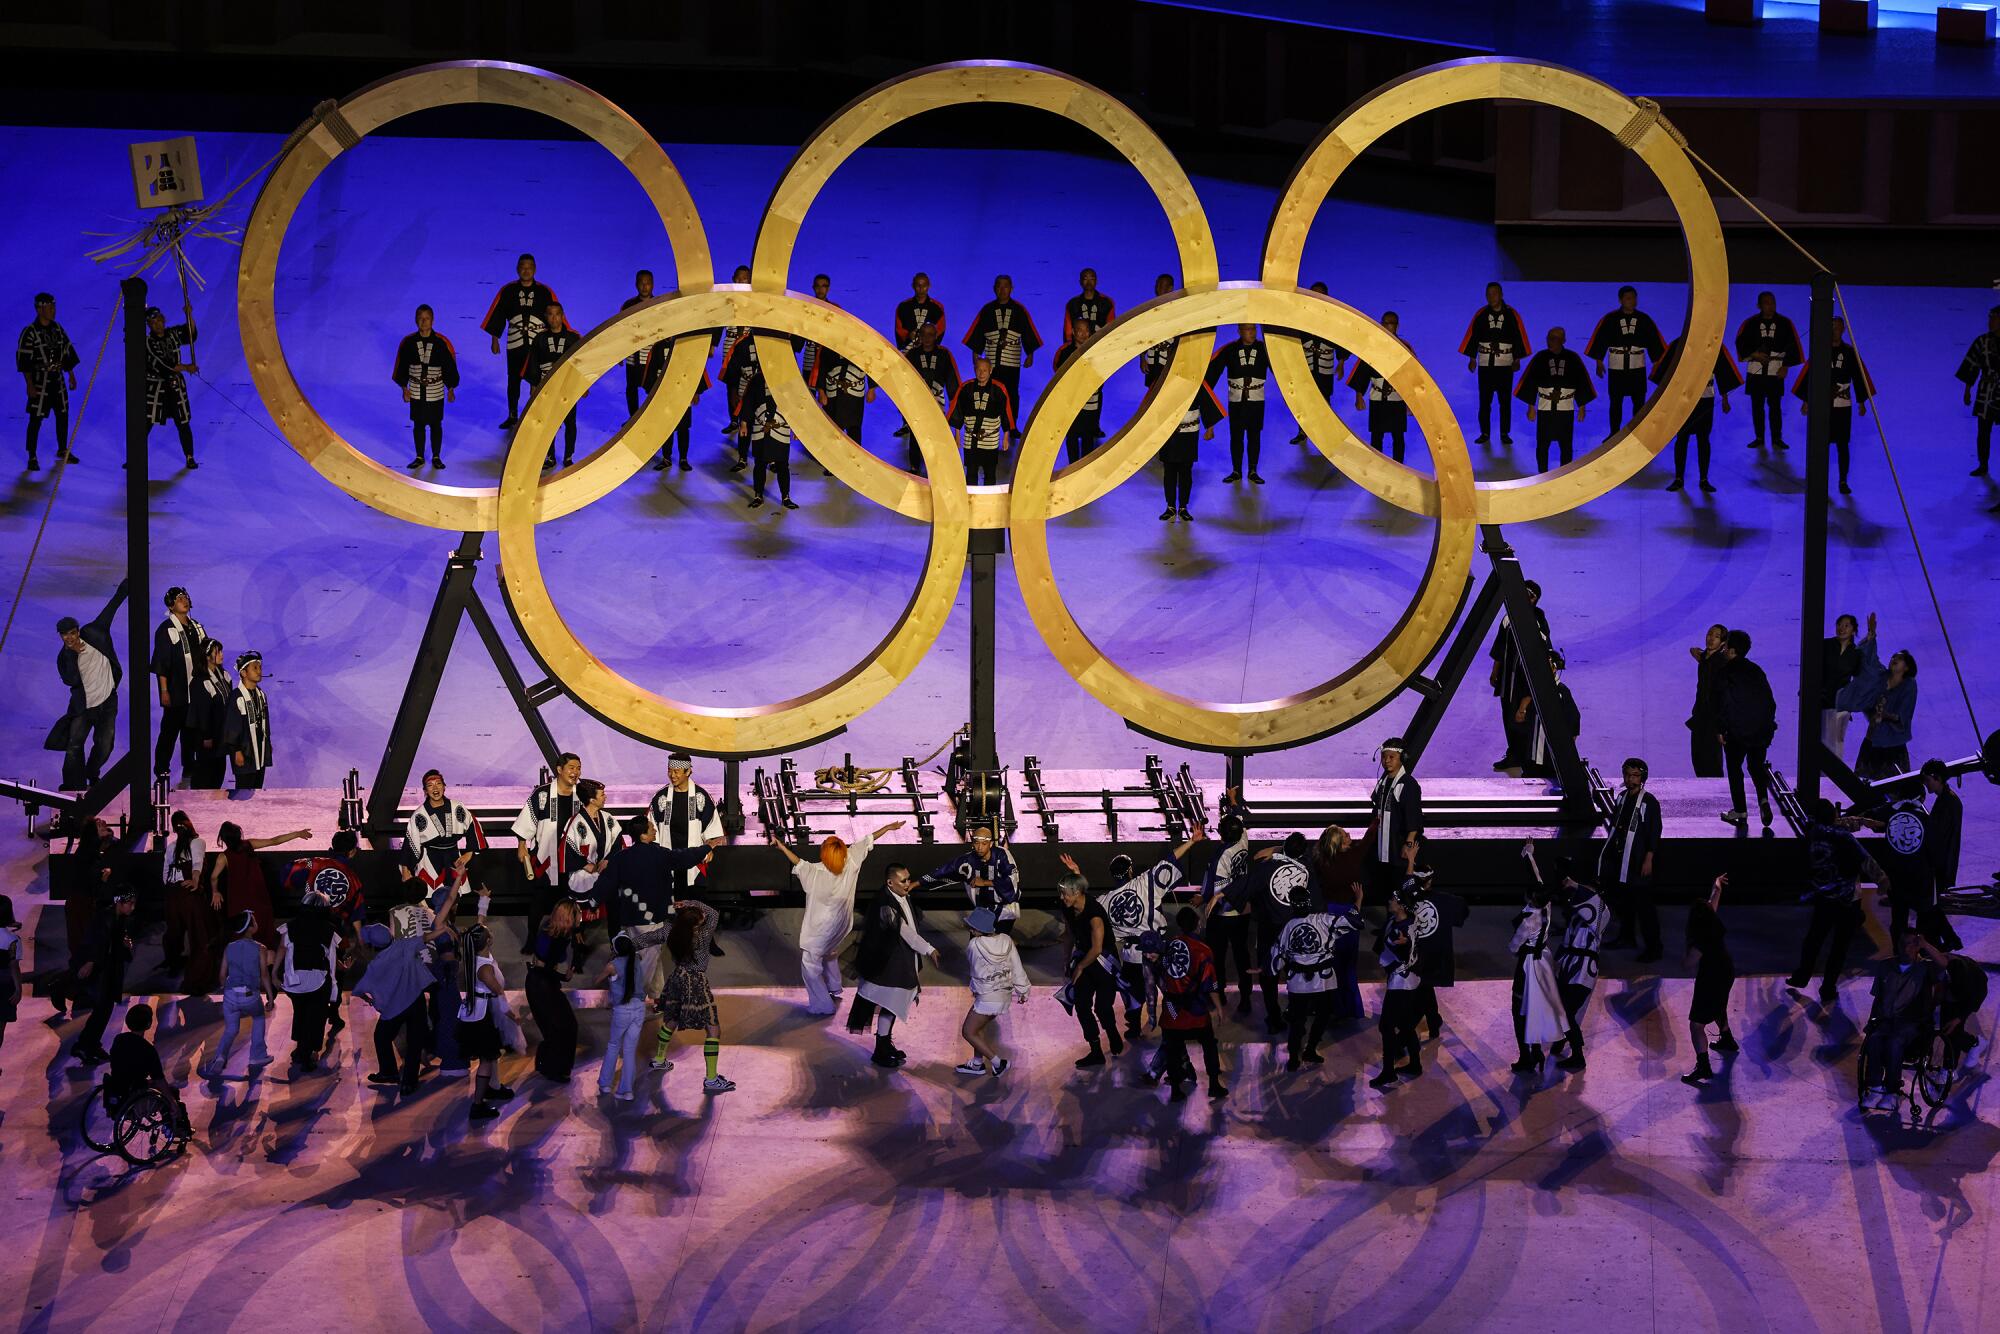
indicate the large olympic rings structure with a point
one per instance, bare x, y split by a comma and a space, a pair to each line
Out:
1186, 317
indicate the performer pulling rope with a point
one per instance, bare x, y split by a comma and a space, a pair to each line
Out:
1840, 299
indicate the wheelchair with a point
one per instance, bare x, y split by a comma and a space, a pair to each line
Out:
147, 1127
1934, 1062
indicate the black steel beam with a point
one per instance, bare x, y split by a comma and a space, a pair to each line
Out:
138, 562
1812, 560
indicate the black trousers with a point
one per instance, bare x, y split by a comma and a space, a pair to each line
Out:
1735, 755
555, 1057
1681, 452
1308, 1012
1767, 406
1264, 937
413, 1027
61, 415
1227, 936
1841, 428
1496, 382
1834, 923
1574, 997
1427, 1008
309, 1011
1520, 733
1638, 911
1083, 434
1246, 432
982, 467
1011, 377
99, 726
1982, 439
172, 718
1398, 1026
205, 765
247, 780
1178, 483
1621, 387
1390, 419
772, 455
1174, 1061
105, 987
1555, 430
1704, 751
1095, 992
517, 373
436, 430
845, 410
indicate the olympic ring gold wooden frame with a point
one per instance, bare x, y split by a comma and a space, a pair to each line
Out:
462, 508
1596, 472
1262, 724
525, 497
963, 84
756, 729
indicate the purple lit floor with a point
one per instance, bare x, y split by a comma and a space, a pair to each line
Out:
822, 1194
827, 1194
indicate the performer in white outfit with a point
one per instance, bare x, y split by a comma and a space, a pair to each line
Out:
999, 979
829, 888
1539, 1019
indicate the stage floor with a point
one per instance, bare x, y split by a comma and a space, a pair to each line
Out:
827, 1194
674, 581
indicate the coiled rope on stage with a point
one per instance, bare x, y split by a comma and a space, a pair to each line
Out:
849, 780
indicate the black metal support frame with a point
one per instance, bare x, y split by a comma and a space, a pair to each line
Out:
1504, 589
457, 599
1812, 562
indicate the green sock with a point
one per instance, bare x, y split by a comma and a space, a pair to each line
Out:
710, 1050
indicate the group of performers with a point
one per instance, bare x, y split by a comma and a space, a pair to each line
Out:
1156, 942
47, 361
1556, 384
218, 724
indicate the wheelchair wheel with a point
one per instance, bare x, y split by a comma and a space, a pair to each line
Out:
99, 1126
1937, 1073
149, 1129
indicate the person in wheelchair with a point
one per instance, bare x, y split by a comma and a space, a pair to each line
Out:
1905, 997
1963, 982
135, 1064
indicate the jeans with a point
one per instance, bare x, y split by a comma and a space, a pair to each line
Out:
821, 973
100, 726
621, 1051
235, 1009
1884, 1049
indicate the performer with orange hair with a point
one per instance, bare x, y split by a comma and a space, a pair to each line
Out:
829, 888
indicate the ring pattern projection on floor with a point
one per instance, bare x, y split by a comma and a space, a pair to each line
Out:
1187, 318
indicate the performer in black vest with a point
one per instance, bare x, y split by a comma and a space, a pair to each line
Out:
1768, 344
180, 654
1397, 819
1495, 343
1851, 390
426, 370
519, 312
890, 959
1625, 862
1620, 345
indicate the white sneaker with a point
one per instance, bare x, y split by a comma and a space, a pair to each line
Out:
604, 1090
999, 1067
719, 1084
975, 1066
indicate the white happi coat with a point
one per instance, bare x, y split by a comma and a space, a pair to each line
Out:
829, 899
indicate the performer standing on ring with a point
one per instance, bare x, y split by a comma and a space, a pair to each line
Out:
519, 312
1621, 343
427, 370
1494, 343
1768, 343
983, 415
1248, 366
